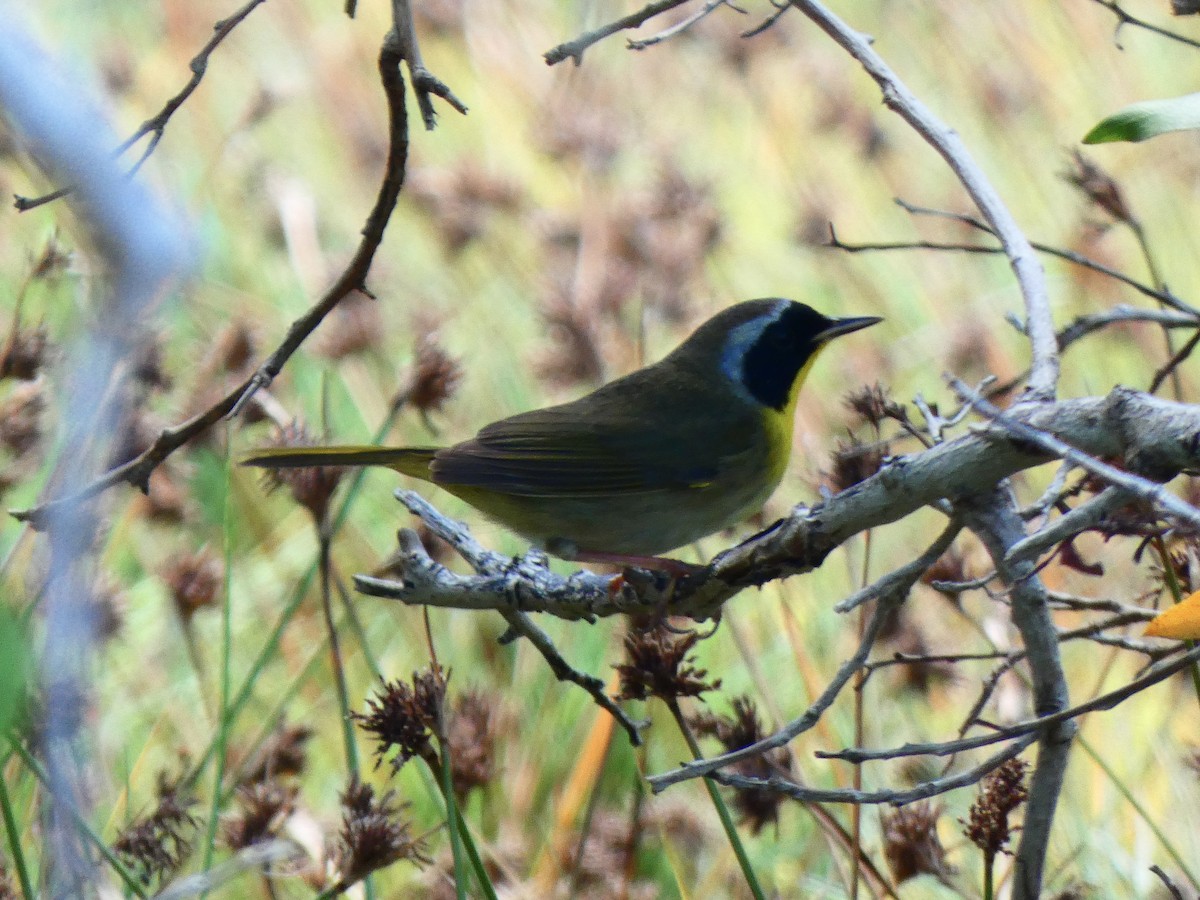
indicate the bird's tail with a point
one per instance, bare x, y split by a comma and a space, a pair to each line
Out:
412, 461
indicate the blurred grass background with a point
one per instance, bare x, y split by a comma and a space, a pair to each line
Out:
606, 209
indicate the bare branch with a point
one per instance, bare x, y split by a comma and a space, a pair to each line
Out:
681, 26
1149, 432
574, 49
1136, 485
1080, 519
895, 797
157, 124
494, 565
425, 84
1156, 674
136, 472
1043, 378
1124, 18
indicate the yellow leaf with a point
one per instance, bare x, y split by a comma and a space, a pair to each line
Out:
1181, 621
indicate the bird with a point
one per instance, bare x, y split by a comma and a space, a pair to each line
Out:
644, 464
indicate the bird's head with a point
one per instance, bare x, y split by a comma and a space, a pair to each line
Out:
765, 347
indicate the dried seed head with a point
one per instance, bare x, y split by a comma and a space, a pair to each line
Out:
873, 405
311, 487
24, 353
576, 356
435, 378
354, 326
194, 580
372, 836
1001, 793
599, 867
262, 808
462, 201
659, 666
759, 806
148, 370
472, 739
283, 754
854, 462
1100, 188
405, 717
158, 845
910, 842
20, 418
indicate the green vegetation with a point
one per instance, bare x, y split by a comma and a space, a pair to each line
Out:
572, 225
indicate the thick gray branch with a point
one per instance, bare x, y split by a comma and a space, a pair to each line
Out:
1146, 433
993, 517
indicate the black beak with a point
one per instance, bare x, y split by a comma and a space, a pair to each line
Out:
844, 326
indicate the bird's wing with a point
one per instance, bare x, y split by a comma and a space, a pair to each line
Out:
596, 450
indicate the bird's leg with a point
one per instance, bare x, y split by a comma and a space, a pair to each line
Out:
676, 568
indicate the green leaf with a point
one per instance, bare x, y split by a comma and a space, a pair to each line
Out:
1147, 119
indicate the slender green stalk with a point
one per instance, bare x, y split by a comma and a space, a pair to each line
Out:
433, 783
224, 721
267, 653
719, 804
131, 882
14, 842
335, 653
989, 875
452, 820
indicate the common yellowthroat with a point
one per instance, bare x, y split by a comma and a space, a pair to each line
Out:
648, 462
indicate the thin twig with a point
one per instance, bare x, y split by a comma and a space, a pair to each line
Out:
901, 580
136, 472
1133, 484
1163, 296
1082, 518
895, 797
681, 26
1171, 367
157, 124
1157, 673
425, 84
1124, 18
1030, 277
487, 562
574, 49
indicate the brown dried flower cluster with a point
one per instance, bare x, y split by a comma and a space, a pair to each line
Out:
194, 580
471, 737
435, 378
462, 201
372, 836
405, 717
660, 666
1002, 791
855, 462
874, 405
759, 806
911, 844
1100, 188
262, 809
156, 846
311, 487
